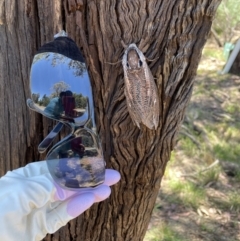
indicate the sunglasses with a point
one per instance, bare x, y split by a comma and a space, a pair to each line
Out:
61, 90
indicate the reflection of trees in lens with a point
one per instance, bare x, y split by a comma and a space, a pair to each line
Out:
80, 100
78, 67
89, 145
44, 101
35, 97
59, 87
41, 56
56, 59
91, 152
87, 140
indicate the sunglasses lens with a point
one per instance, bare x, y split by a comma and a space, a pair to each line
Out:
60, 84
77, 162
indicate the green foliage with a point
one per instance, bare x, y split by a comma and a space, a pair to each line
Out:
227, 151
237, 177
189, 193
188, 147
80, 100
205, 227
234, 201
232, 108
58, 88
209, 176
227, 19
213, 53
44, 101
163, 233
35, 97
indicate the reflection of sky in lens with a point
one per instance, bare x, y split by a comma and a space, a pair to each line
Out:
46, 72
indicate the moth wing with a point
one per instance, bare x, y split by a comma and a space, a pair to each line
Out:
132, 108
155, 104
152, 106
155, 108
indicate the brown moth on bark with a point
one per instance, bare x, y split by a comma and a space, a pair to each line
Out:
140, 88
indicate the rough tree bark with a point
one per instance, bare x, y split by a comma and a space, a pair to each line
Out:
171, 33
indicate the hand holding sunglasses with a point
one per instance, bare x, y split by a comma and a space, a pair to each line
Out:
32, 204
43, 196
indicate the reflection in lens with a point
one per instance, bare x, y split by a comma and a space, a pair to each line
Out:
60, 84
77, 162
62, 90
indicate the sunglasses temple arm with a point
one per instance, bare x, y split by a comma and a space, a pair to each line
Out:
49, 138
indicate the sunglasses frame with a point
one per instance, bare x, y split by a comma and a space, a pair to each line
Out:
83, 124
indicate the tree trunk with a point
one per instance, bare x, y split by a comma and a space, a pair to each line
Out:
170, 33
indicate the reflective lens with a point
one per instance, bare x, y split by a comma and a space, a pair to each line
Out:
60, 85
77, 162
61, 90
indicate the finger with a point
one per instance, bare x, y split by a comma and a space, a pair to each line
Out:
64, 194
111, 177
101, 193
68, 210
78, 204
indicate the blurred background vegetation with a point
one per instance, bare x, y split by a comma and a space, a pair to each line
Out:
200, 194
227, 21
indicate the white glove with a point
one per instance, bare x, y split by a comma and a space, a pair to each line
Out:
32, 205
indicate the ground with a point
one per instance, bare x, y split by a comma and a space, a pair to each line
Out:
199, 199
